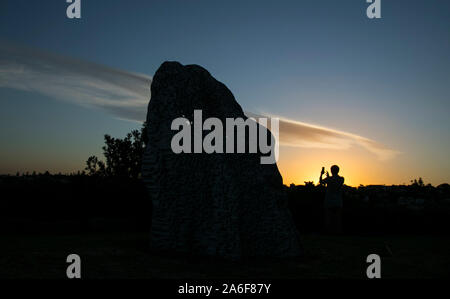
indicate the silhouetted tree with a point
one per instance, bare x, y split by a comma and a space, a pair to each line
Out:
123, 156
421, 184
417, 183
95, 167
309, 184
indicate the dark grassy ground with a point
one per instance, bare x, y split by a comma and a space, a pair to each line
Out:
126, 256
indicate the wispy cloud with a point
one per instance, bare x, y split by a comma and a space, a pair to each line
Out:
300, 134
121, 93
126, 95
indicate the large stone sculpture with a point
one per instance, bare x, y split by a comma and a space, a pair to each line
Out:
224, 205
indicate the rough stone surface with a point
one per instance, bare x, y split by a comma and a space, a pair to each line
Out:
224, 205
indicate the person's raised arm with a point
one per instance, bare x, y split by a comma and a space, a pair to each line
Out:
321, 174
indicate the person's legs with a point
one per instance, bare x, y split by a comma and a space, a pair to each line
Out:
333, 220
338, 220
327, 223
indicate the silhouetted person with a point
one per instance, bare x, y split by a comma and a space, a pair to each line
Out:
333, 200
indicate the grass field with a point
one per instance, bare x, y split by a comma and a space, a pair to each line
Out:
127, 256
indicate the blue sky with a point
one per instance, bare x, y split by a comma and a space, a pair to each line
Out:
320, 62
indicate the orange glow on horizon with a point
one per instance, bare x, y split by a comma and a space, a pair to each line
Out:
357, 166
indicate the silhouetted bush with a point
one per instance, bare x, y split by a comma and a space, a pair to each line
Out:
83, 203
123, 156
377, 209
73, 203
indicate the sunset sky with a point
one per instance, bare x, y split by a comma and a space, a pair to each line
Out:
378, 88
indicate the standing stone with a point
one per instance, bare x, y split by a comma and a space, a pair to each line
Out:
224, 205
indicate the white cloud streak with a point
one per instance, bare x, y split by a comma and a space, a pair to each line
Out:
300, 134
121, 93
125, 95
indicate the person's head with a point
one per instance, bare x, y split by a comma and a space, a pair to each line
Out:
334, 170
